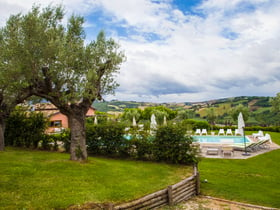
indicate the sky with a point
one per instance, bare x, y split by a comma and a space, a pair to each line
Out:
183, 50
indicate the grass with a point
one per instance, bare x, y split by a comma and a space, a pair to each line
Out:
255, 180
47, 180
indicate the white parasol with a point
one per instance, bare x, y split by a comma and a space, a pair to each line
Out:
241, 124
95, 120
153, 125
134, 122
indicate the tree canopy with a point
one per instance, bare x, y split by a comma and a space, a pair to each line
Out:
55, 62
236, 110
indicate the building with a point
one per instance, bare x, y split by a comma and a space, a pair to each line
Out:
57, 120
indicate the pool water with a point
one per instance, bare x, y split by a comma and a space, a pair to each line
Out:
221, 139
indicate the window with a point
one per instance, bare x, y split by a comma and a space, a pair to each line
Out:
56, 123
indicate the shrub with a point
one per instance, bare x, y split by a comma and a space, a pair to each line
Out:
25, 129
106, 139
191, 124
172, 145
51, 141
141, 146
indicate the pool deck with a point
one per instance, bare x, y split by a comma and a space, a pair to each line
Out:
217, 151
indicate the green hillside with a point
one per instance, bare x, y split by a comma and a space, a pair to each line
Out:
257, 106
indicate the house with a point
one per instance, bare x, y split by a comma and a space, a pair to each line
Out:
57, 120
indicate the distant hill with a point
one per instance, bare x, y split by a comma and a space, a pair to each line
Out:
253, 102
257, 106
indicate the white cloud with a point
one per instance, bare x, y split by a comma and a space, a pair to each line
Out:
197, 54
230, 49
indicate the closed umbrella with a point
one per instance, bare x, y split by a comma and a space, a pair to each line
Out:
153, 125
134, 122
164, 120
241, 126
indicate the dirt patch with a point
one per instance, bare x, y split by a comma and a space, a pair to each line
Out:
195, 203
91, 206
204, 203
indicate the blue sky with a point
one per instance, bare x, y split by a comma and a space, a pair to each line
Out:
184, 50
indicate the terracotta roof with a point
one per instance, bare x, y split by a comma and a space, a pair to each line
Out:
49, 109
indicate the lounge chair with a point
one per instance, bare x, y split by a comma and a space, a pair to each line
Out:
263, 144
197, 132
257, 135
266, 137
221, 131
237, 132
204, 131
251, 147
229, 132
227, 150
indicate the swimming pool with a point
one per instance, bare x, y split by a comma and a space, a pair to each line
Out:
221, 139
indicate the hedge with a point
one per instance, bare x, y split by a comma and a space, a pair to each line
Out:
25, 129
170, 144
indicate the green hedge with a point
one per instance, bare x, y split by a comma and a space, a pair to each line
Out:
25, 129
170, 144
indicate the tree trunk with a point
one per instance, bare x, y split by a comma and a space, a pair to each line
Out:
78, 150
2, 131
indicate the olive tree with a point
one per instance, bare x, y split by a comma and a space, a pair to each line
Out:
275, 109
234, 112
58, 65
12, 90
275, 103
211, 117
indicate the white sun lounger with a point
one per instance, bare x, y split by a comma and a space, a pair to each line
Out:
229, 132
266, 137
204, 131
221, 132
258, 135
197, 132
237, 132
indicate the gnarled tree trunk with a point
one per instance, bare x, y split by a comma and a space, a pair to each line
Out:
78, 150
2, 131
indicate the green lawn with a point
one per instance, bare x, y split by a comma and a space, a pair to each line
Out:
45, 180
255, 180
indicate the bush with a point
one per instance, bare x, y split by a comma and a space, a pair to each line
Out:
25, 129
191, 124
141, 146
106, 139
172, 145
51, 141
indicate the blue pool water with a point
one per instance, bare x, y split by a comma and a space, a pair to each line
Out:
221, 139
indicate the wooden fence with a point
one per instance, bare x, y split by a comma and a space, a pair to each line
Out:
173, 194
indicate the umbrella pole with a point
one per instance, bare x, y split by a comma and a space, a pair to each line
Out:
244, 139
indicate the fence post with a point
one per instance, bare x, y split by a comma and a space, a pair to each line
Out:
170, 196
197, 177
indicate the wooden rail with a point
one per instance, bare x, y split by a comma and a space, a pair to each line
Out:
173, 194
